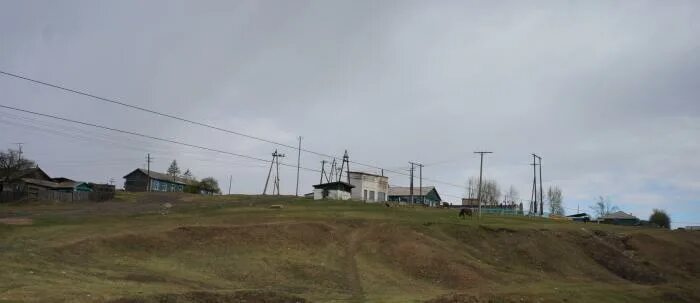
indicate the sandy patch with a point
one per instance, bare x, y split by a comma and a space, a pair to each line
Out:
16, 221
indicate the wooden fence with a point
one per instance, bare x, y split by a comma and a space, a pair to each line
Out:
52, 195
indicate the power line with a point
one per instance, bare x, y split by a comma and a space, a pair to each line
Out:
147, 136
117, 102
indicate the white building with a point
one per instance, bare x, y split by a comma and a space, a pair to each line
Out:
369, 187
334, 190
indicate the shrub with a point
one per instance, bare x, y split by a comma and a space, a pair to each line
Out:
660, 218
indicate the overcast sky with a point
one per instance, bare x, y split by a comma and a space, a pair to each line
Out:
606, 91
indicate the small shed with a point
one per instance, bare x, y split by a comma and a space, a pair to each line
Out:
333, 190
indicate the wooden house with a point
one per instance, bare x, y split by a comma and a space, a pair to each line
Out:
143, 180
619, 218
427, 195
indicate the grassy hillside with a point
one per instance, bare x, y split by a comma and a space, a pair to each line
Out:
237, 249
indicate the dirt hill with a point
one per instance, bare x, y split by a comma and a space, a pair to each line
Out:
238, 249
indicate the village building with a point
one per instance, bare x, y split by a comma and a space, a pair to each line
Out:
427, 195
35, 184
470, 202
619, 218
19, 181
582, 217
369, 187
338, 190
143, 180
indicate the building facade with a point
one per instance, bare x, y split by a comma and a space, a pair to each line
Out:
140, 179
426, 195
619, 218
369, 187
334, 190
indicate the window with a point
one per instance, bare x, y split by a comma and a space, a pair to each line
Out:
381, 196
365, 197
371, 195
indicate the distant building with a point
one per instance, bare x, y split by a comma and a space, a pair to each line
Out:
139, 180
619, 218
15, 182
333, 190
470, 202
369, 187
692, 228
429, 195
582, 217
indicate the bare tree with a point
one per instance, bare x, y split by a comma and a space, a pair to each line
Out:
554, 197
11, 162
512, 196
188, 175
490, 192
472, 187
173, 170
603, 207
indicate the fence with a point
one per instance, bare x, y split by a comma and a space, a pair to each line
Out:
11, 196
52, 195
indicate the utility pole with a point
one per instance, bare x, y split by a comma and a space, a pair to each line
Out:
420, 182
19, 148
298, 164
411, 190
541, 190
481, 171
230, 180
276, 181
148, 170
533, 202
323, 172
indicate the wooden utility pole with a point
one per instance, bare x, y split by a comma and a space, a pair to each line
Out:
323, 172
541, 190
298, 164
533, 203
230, 180
481, 170
420, 181
148, 170
411, 188
276, 181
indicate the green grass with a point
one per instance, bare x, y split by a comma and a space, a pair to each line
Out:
328, 251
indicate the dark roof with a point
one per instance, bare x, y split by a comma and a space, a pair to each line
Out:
335, 185
406, 191
34, 173
160, 176
51, 184
61, 179
578, 215
619, 215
